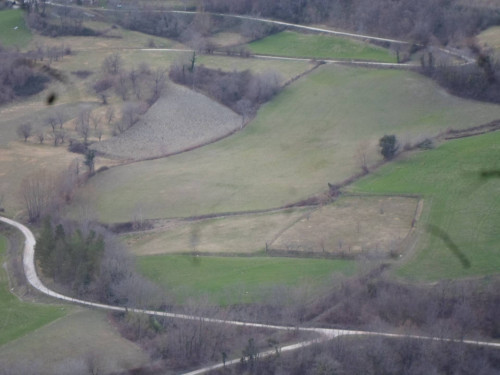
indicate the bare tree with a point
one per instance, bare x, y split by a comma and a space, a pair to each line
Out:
25, 130
83, 124
362, 156
41, 136
37, 192
159, 84
112, 64
110, 115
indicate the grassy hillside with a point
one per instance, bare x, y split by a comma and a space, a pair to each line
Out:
19, 318
228, 280
293, 44
65, 346
305, 137
490, 38
13, 30
461, 235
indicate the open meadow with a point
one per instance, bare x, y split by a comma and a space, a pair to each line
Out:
317, 46
459, 236
13, 29
304, 138
236, 280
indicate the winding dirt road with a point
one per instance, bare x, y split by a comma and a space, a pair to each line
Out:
324, 334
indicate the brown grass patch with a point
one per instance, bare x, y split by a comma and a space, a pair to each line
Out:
351, 226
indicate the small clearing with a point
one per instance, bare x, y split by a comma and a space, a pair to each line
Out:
180, 120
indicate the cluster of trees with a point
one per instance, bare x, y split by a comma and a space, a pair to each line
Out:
69, 257
422, 21
18, 76
243, 92
376, 356
86, 261
479, 80
60, 21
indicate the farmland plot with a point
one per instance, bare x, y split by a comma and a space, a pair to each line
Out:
182, 119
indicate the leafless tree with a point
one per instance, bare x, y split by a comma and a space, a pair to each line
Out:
112, 64
83, 124
37, 192
41, 136
109, 115
362, 156
159, 84
25, 130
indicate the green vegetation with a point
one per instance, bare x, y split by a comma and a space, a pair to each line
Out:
229, 280
19, 318
293, 44
490, 38
460, 235
305, 137
13, 30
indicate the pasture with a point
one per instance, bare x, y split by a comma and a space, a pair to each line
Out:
319, 46
460, 234
235, 280
305, 137
13, 29
20, 318
66, 345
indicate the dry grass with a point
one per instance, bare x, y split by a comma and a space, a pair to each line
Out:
180, 120
233, 234
490, 38
351, 226
56, 347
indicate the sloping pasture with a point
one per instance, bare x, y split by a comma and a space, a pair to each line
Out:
461, 189
305, 137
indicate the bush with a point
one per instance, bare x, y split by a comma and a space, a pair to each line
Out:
388, 146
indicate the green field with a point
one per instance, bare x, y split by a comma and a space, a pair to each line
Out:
305, 137
293, 44
19, 318
9, 35
228, 280
462, 208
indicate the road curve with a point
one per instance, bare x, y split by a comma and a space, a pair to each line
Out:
324, 334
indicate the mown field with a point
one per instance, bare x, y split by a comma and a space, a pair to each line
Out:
13, 29
352, 226
305, 137
462, 207
234, 280
293, 44
19, 318
231, 235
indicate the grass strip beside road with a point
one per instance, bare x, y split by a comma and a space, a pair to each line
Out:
19, 318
